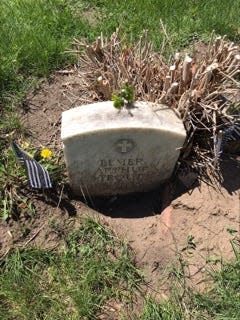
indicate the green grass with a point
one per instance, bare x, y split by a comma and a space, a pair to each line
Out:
76, 282
94, 268
220, 302
73, 283
168, 310
15, 192
34, 34
12, 181
184, 20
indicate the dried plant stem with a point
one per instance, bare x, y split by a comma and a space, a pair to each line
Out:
194, 87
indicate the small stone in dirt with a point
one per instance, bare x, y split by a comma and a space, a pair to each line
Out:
109, 152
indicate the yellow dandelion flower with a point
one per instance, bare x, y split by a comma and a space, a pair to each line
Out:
46, 153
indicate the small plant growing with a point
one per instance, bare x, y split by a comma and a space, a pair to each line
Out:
15, 194
123, 98
13, 200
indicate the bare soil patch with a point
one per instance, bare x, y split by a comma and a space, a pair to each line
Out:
164, 227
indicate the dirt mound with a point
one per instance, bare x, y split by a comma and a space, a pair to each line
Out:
170, 227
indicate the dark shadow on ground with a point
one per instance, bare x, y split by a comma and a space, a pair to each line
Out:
55, 199
138, 205
230, 168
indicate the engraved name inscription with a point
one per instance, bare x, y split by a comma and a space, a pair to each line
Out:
122, 171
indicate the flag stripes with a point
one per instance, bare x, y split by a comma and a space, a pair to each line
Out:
232, 133
37, 175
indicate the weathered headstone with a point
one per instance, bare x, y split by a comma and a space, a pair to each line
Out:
110, 152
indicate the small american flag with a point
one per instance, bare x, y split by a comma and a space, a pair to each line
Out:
37, 175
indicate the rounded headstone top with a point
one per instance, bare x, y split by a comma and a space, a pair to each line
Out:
101, 115
109, 151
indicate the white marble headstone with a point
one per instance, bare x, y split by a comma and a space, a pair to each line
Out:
109, 152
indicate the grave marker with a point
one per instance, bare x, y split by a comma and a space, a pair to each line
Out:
110, 152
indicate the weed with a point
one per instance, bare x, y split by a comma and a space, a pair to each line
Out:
125, 97
191, 245
12, 179
231, 230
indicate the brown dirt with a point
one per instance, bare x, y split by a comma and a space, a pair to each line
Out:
165, 227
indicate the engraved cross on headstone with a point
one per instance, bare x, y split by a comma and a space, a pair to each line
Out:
135, 153
125, 146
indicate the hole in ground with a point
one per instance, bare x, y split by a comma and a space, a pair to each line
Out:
137, 205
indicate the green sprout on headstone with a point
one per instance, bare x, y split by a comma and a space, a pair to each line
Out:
123, 98
118, 101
